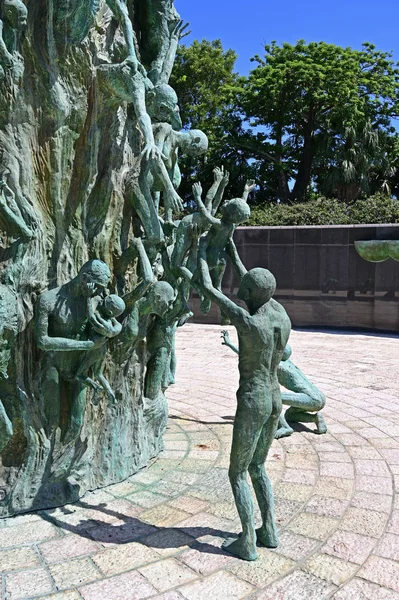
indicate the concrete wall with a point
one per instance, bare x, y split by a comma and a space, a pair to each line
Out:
321, 280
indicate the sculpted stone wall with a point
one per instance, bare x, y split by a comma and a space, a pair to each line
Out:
78, 167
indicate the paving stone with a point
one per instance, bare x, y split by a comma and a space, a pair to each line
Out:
129, 586
168, 542
70, 595
328, 507
18, 558
222, 586
167, 574
164, 516
110, 534
374, 468
331, 569
364, 452
260, 572
297, 586
124, 558
383, 571
364, 522
25, 584
27, 533
388, 547
189, 504
294, 546
69, 546
169, 596
285, 510
349, 546
335, 469
333, 487
336, 457
378, 502
293, 491
313, 526
205, 557
73, 573
375, 485
393, 525
358, 589
147, 499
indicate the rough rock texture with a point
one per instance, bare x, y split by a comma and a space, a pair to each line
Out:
65, 144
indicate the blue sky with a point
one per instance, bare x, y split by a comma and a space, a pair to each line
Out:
245, 26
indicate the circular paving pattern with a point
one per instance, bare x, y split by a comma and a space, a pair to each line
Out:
158, 534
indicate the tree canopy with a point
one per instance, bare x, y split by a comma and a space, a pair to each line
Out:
309, 119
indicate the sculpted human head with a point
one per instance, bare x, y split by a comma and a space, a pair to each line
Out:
193, 142
15, 13
162, 105
161, 297
257, 287
93, 278
113, 306
235, 211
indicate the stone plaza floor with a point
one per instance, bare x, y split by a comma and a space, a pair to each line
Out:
158, 534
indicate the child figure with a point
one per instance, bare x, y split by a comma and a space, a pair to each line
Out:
219, 237
103, 313
192, 226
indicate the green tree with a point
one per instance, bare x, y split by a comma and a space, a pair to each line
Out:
203, 78
320, 114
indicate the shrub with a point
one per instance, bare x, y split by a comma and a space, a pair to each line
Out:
326, 211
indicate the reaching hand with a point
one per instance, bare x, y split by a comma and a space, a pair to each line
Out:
226, 178
151, 151
250, 185
226, 338
218, 174
197, 190
134, 65
180, 31
174, 202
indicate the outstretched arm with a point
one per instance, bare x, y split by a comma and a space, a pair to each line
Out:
218, 174
197, 192
121, 13
148, 276
236, 314
179, 32
227, 342
238, 266
220, 192
249, 187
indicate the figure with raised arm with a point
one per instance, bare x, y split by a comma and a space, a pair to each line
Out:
219, 237
160, 30
304, 398
149, 297
263, 331
162, 175
192, 226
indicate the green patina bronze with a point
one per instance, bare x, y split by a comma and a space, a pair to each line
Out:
94, 284
77, 113
302, 396
263, 332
